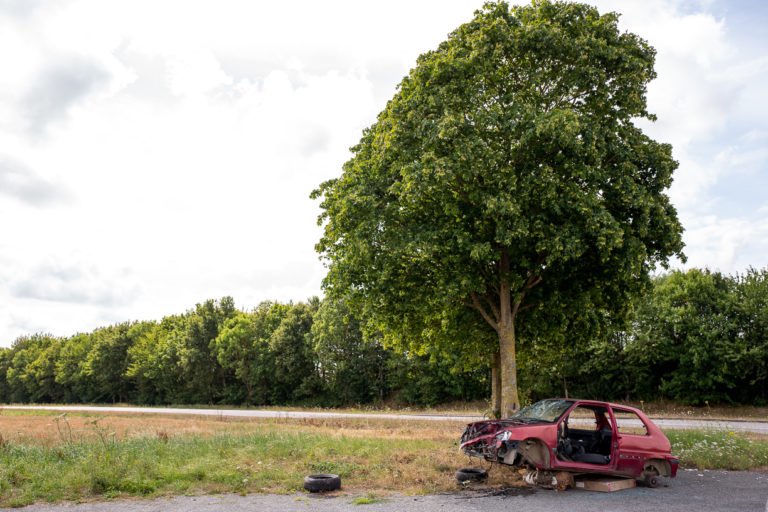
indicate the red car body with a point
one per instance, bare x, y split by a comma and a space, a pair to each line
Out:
619, 440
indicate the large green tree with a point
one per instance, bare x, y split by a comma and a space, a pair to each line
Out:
505, 176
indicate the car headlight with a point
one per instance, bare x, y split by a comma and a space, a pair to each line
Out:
504, 435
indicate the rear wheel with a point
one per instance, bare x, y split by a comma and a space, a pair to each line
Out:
651, 477
652, 481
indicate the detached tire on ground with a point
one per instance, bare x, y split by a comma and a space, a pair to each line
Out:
464, 475
322, 483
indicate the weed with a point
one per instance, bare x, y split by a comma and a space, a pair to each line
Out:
65, 431
370, 499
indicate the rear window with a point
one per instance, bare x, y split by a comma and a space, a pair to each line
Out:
629, 422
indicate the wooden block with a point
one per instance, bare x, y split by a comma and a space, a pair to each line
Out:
605, 484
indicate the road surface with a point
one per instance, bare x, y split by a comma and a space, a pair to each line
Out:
757, 427
711, 491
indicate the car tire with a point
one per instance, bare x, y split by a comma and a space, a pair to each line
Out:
322, 483
465, 475
651, 481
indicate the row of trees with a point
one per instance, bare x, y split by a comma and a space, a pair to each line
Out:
697, 336
306, 353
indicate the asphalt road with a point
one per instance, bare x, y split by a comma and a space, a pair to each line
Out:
757, 427
710, 491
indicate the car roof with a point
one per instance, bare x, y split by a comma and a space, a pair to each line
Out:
597, 402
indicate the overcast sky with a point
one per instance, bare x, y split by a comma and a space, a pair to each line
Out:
154, 154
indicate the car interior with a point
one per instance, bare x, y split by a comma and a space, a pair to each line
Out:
585, 436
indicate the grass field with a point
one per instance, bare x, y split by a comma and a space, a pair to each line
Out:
52, 457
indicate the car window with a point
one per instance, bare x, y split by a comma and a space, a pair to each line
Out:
584, 418
547, 411
629, 422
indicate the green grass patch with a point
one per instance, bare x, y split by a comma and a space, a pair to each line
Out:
370, 499
273, 460
712, 449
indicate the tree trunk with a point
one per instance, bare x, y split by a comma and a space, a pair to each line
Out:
506, 329
510, 402
495, 385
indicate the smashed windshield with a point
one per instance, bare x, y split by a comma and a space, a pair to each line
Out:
544, 411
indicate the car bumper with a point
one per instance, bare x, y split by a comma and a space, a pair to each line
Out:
674, 462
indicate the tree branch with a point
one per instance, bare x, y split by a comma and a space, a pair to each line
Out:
532, 281
479, 307
494, 308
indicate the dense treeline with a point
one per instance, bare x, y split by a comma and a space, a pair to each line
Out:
307, 353
696, 336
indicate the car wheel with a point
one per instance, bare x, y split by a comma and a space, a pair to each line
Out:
322, 483
651, 481
464, 475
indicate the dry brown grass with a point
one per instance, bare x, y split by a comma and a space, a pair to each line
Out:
49, 430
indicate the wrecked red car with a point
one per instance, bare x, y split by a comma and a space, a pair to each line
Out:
577, 436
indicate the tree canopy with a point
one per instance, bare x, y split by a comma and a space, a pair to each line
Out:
507, 177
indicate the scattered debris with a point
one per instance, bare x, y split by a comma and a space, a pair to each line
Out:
505, 492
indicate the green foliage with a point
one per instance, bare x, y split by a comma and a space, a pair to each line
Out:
243, 348
353, 368
689, 328
695, 337
752, 338
30, 374
107, 362
295, 376
197, 359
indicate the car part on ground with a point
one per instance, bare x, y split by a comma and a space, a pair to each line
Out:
322, 482
466, 475
560, 480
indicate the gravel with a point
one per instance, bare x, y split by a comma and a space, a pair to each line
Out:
692, 490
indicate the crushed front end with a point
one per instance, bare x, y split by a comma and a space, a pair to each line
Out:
491, 441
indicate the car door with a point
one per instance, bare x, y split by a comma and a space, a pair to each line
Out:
583, 425
630, 442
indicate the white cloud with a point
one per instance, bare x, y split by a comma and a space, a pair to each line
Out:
706, 97
195, 72
721, 243
61, 282
187, 138
19, 182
